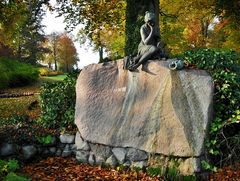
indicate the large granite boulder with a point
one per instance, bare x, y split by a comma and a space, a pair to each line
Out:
158, 111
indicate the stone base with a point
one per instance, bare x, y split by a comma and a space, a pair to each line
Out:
98, 154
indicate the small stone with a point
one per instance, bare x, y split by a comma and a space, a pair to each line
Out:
59, 152
7, 149
52, 150
120, 154
101, 151
67, 138
140, 165
91, 159
85, 146
61, 145
112, 161
66, 152
29, 151
82, 156
189, 166
80, 143
136, 155
99, 160
73, 148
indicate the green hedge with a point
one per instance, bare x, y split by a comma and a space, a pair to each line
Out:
14, 73
58, 103
223, 65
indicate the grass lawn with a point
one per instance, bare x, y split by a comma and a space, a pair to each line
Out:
54, 78
22, 105
19, 106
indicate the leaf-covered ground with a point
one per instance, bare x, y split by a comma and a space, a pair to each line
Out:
67, 169
229, 173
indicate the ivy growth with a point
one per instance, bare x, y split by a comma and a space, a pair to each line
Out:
223, 65
8, 169
58, 104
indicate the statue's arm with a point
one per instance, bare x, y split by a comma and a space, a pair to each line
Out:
146, 38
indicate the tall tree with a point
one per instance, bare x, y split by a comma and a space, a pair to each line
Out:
97, 16
50, 45
53, 42
32, 32
67, 53
186, 24
13, 15
20, 27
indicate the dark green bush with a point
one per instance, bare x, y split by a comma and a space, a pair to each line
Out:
223, 65
58, 103
7, 169
14, 177
14, 73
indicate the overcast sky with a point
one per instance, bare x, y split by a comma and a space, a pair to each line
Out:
85, 54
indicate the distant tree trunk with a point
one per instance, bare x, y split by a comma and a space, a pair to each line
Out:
204, 26
100, 51
19, 52
55, 54
135, 12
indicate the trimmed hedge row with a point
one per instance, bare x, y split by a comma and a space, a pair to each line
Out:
14, 73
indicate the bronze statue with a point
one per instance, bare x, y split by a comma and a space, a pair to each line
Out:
150, 46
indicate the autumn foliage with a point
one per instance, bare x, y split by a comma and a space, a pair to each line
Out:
57, 168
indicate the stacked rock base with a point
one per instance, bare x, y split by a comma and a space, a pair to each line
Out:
60, 146
99, 154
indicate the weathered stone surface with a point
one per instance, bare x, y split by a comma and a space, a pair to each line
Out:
91, 159
189, 166
67, 151
159, 111
29, 151
58, 152
67, 138
82, 156
7, 149
99, 160
120, 154
52, 150
136, 155
140, 164
101, 151
80, 143
112, 161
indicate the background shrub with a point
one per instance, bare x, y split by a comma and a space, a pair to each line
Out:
57, 101
7, 169
44, 71
14, 73
223, 65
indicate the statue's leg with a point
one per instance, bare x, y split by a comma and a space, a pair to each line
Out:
146, 56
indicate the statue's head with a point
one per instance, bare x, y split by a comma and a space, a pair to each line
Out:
149, 17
